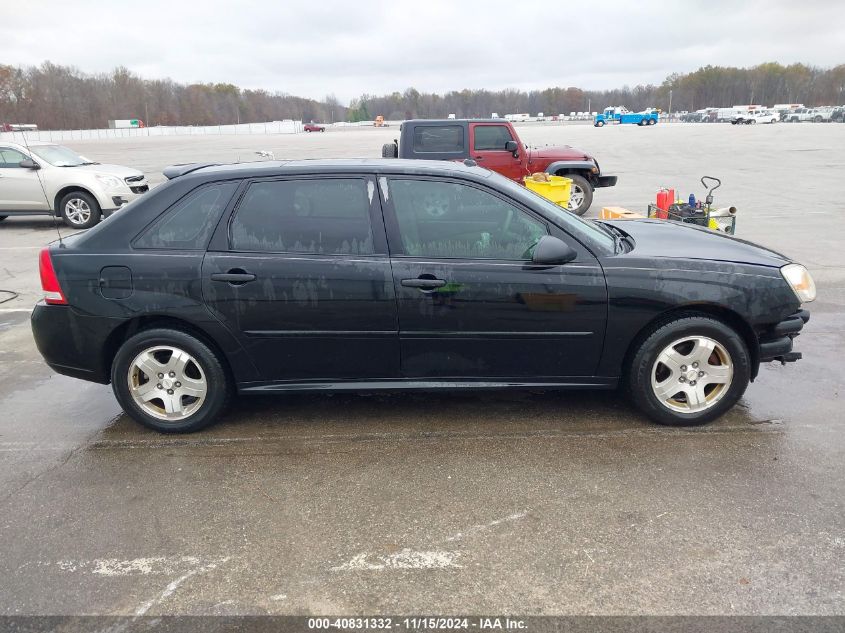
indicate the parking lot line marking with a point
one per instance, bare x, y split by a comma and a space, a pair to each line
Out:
486, 526
15, 310
406, 559
19, 248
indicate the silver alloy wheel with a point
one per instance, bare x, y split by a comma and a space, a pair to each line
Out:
576, 198
77, 211
692, 374
167, 383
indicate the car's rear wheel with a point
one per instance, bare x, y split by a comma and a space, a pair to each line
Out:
80, 210
170, 381
689, 371
580, 196
599, 123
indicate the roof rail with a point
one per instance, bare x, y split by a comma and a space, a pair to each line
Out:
174, 171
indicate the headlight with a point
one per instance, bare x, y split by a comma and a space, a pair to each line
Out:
110, 182
801, 282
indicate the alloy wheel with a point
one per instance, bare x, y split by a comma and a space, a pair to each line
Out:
692, 374
576, 198
77, 211
167, 383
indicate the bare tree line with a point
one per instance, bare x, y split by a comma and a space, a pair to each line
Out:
63, 97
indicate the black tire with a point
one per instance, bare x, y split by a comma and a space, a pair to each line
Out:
219, 387
817, 119
322, 129
639, 374
389, 150
85, 199
582, 184
641, 122
599, 124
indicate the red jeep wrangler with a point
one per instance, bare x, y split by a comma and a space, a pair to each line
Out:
495, 144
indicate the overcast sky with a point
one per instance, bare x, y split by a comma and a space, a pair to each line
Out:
348, 48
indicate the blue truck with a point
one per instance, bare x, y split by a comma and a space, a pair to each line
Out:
621, 114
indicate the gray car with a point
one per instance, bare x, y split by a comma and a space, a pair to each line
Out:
46, 179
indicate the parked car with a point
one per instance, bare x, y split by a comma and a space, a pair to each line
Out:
47, 179
816, 115
750, 118
838, 114
374, 275
314, 127
693, 117
494, 144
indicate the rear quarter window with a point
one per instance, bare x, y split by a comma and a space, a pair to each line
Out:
188, 225
438, 139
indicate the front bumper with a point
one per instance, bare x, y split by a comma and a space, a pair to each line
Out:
776, 341
605, 181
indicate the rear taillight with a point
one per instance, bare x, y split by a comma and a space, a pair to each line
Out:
49, 281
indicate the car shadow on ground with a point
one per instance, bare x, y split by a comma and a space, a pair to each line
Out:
460, 414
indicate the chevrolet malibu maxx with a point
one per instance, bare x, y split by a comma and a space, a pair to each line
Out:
370, 275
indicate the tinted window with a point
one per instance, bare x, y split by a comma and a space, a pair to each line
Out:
328, 216
438, 138
491, 137
10, 158
442, 219
188, 226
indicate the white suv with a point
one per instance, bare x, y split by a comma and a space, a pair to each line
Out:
43, 178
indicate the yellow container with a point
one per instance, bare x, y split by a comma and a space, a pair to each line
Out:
557, 188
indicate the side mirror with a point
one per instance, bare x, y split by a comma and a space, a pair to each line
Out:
28, 163
512, 146
551, 251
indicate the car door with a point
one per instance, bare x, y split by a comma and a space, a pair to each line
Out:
300, 273
471, 304
487, 141
20, 188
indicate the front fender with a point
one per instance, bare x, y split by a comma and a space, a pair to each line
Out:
572, 165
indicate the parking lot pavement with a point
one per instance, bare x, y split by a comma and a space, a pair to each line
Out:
555, 503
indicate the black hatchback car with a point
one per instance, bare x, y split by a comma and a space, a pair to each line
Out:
403, 275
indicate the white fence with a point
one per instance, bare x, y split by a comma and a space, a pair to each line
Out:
271, 127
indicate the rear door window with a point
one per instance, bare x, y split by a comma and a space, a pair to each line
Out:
438, 139
327, 216
190, 223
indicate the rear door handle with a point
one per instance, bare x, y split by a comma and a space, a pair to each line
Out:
235, 277
423, 284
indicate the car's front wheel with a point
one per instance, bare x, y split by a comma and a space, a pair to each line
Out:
580, 196
170, 381
80, 210
689, 371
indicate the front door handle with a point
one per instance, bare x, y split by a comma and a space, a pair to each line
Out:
423, 284
236, 277
478, 158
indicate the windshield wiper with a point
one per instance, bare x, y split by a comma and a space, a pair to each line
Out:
619, 237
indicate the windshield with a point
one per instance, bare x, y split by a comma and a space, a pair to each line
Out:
584, 230
59, 155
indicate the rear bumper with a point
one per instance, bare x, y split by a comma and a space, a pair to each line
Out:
71, 344
776, 341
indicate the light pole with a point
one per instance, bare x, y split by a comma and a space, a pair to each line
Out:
670, 104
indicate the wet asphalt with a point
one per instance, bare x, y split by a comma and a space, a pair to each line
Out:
520, 502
